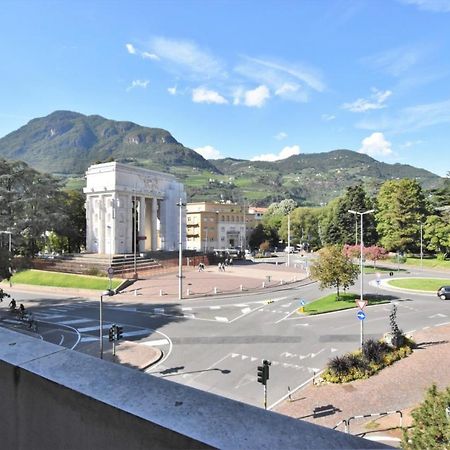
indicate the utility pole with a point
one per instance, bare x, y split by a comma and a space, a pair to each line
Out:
289, 240
180, 252
361, 262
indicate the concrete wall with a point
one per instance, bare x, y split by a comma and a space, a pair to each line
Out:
54, 398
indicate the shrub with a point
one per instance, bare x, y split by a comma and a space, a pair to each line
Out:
339, 365
374, 351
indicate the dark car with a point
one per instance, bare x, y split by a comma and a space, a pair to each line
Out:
444, 292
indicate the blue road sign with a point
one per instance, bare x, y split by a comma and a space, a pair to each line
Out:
302, 302
361, 315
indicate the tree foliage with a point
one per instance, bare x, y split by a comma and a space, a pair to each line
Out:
401, 207
431, 425
437, 233
334, 269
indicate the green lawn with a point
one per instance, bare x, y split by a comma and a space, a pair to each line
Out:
347, 301
67, 280
420, 284
431, 263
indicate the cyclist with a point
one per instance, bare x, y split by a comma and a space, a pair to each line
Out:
21, 311
12, 305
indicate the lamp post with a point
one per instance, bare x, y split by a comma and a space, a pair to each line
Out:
135, 274
356, 226
180, 253
421, 245
289, 240
361, 214
107, 293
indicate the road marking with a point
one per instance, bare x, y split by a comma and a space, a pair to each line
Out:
86, 329
441, 324
221, 319
89, 338
186, 309
438, 315
301, 325
158, 310
246, 379
13, 321
246, 310
74, 321
241, 305
62, 340
49, 316
155, 342
215, 307
136, 333
189, 316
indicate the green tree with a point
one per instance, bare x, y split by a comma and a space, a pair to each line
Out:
437, 234
431, 425
334, 269
401, 206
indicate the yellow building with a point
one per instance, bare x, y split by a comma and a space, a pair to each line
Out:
212, 226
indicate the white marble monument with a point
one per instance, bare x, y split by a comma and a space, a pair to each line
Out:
132, 209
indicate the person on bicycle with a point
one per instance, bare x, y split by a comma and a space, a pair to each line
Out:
12, 304
21, 311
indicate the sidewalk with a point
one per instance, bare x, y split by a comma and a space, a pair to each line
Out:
399, 387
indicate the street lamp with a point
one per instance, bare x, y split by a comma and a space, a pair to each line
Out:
107, 293
421, 245
361, 214
180, 253
356, 226
289, 240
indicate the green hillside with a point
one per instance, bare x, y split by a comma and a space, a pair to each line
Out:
66, 143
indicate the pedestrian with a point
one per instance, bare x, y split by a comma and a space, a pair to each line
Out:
21, 311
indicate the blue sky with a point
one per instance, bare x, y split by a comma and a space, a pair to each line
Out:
245, 79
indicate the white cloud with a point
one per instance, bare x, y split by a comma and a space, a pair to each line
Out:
256, 97
148, 55
411, 118
375, 145
130, 49
375, 101
286, 152
409, 144
203, 95
430, 5
138, 84
209, 152
172, 90
186, 55
281, 135
327, 117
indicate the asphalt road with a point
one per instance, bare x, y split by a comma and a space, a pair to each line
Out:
216, 344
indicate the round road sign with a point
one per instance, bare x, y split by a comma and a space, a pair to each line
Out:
110, 272
361, 315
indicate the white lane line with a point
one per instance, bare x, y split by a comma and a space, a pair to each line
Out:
158, 310
221, 319
189, 316
74, 321
288, 315
48, 316
155, 342
215, 307
441, 324
438, 315
96, 328
13, 321
136, 333
88, 338
62, 340
165, 354
186, 309
246, 310
241, 305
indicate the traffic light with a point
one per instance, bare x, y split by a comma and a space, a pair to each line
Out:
119, 332
266, 365
261, 375
111, 333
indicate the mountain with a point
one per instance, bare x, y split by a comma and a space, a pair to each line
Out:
66, 143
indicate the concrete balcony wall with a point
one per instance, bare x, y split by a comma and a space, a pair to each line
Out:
55, 398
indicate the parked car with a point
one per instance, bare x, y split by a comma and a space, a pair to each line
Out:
444, 293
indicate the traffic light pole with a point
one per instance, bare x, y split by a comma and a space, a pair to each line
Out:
265, 396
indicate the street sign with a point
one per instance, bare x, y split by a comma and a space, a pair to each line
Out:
361, 315
110, 272
361, 303
302, 302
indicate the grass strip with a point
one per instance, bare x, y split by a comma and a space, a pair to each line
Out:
420, 284
330, 303
64, 280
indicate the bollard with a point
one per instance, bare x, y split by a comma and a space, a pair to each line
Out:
161, 293
263, 284
281, 282
276, 263
314, 378
241, 288
289, 392
295, 279
215, 290
135, 292
188, 292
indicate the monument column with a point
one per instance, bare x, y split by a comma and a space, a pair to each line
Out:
154, 233
141, 223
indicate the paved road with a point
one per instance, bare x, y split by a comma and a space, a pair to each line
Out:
215, 344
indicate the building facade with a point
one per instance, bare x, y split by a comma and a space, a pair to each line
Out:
130, 209
211, 226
